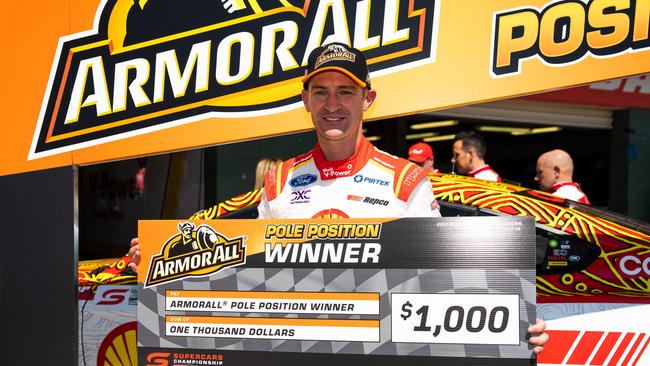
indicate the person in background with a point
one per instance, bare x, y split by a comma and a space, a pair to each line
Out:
468, 157
555, 175
422, 154
264, 166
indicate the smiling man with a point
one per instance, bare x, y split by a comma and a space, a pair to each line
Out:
344, 175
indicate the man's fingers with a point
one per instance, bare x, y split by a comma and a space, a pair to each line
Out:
134, 267
538, 327
539, 340
134, 254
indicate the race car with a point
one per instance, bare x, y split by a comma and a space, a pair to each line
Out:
593, 266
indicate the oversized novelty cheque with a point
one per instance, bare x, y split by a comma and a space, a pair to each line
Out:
412, 290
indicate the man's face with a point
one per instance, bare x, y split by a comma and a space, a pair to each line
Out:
545, 176
460, 158
336, 104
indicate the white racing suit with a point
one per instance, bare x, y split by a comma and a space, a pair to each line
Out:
485, 173
369, 184
570, 190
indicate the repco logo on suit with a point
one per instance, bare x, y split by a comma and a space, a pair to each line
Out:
156, 64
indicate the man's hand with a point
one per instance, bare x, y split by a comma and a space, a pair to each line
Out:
538, 337
134, 254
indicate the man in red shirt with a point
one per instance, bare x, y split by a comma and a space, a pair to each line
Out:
555, 175
422, 154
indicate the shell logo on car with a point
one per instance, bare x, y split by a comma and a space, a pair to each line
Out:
120, 346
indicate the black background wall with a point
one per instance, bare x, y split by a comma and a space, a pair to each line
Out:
38, 284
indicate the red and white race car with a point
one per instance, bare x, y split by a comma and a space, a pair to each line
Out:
593, 272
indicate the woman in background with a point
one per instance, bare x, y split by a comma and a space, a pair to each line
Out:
264, 166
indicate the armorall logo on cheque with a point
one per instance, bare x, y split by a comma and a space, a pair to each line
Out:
154, 64
194, 252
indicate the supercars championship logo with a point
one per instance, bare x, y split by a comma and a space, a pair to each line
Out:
154, 64
194, 252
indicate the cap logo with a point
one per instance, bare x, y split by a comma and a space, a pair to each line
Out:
334, 52
418, 151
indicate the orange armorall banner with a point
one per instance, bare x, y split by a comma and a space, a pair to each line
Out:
92, 81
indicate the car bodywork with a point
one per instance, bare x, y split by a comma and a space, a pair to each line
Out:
593, 266
590, 262
583, 254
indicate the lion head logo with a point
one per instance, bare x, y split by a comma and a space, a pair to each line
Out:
191, 239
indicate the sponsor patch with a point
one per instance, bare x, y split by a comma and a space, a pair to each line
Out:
370, 200
557, 264
364, 179
303, 180
375, 201
337, 173
412, 177
300, 196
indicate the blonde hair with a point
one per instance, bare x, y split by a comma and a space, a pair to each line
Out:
264, 166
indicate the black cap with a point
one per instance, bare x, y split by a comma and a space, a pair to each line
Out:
338, 57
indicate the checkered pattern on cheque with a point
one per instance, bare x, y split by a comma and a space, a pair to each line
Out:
151, 309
